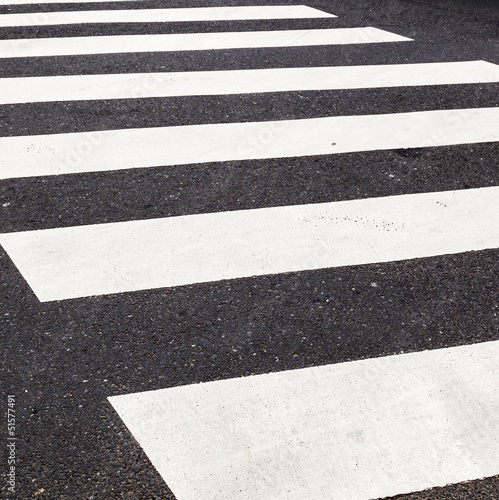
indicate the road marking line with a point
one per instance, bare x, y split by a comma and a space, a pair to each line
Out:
117, 44
162, 15
100, 259
359, 430
137, 85
27, 156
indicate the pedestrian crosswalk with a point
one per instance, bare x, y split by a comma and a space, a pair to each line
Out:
125, 256
323, 432
164, 15
119, 44
361, 429
54, 154
197, 83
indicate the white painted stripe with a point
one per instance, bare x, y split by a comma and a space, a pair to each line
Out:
360, 430
116, 44
100, 259
124, 86
162, 15
27, 156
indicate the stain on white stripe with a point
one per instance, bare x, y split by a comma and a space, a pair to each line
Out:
125, 86
100, 259
359, 430
27, 156
162, 15
116, 44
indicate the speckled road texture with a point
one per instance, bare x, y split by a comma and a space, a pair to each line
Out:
63, 359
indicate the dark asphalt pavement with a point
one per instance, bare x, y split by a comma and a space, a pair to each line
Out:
63, 359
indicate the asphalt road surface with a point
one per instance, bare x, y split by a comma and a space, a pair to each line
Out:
269, 264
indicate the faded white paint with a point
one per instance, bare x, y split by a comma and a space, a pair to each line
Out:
53, 154
116, 44
100, 259
162, 15
126, 86
351, 431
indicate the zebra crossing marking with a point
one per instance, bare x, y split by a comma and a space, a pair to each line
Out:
313, 432
27, 156
100, 259
163, 15
137, 85
359, 430
119, 44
